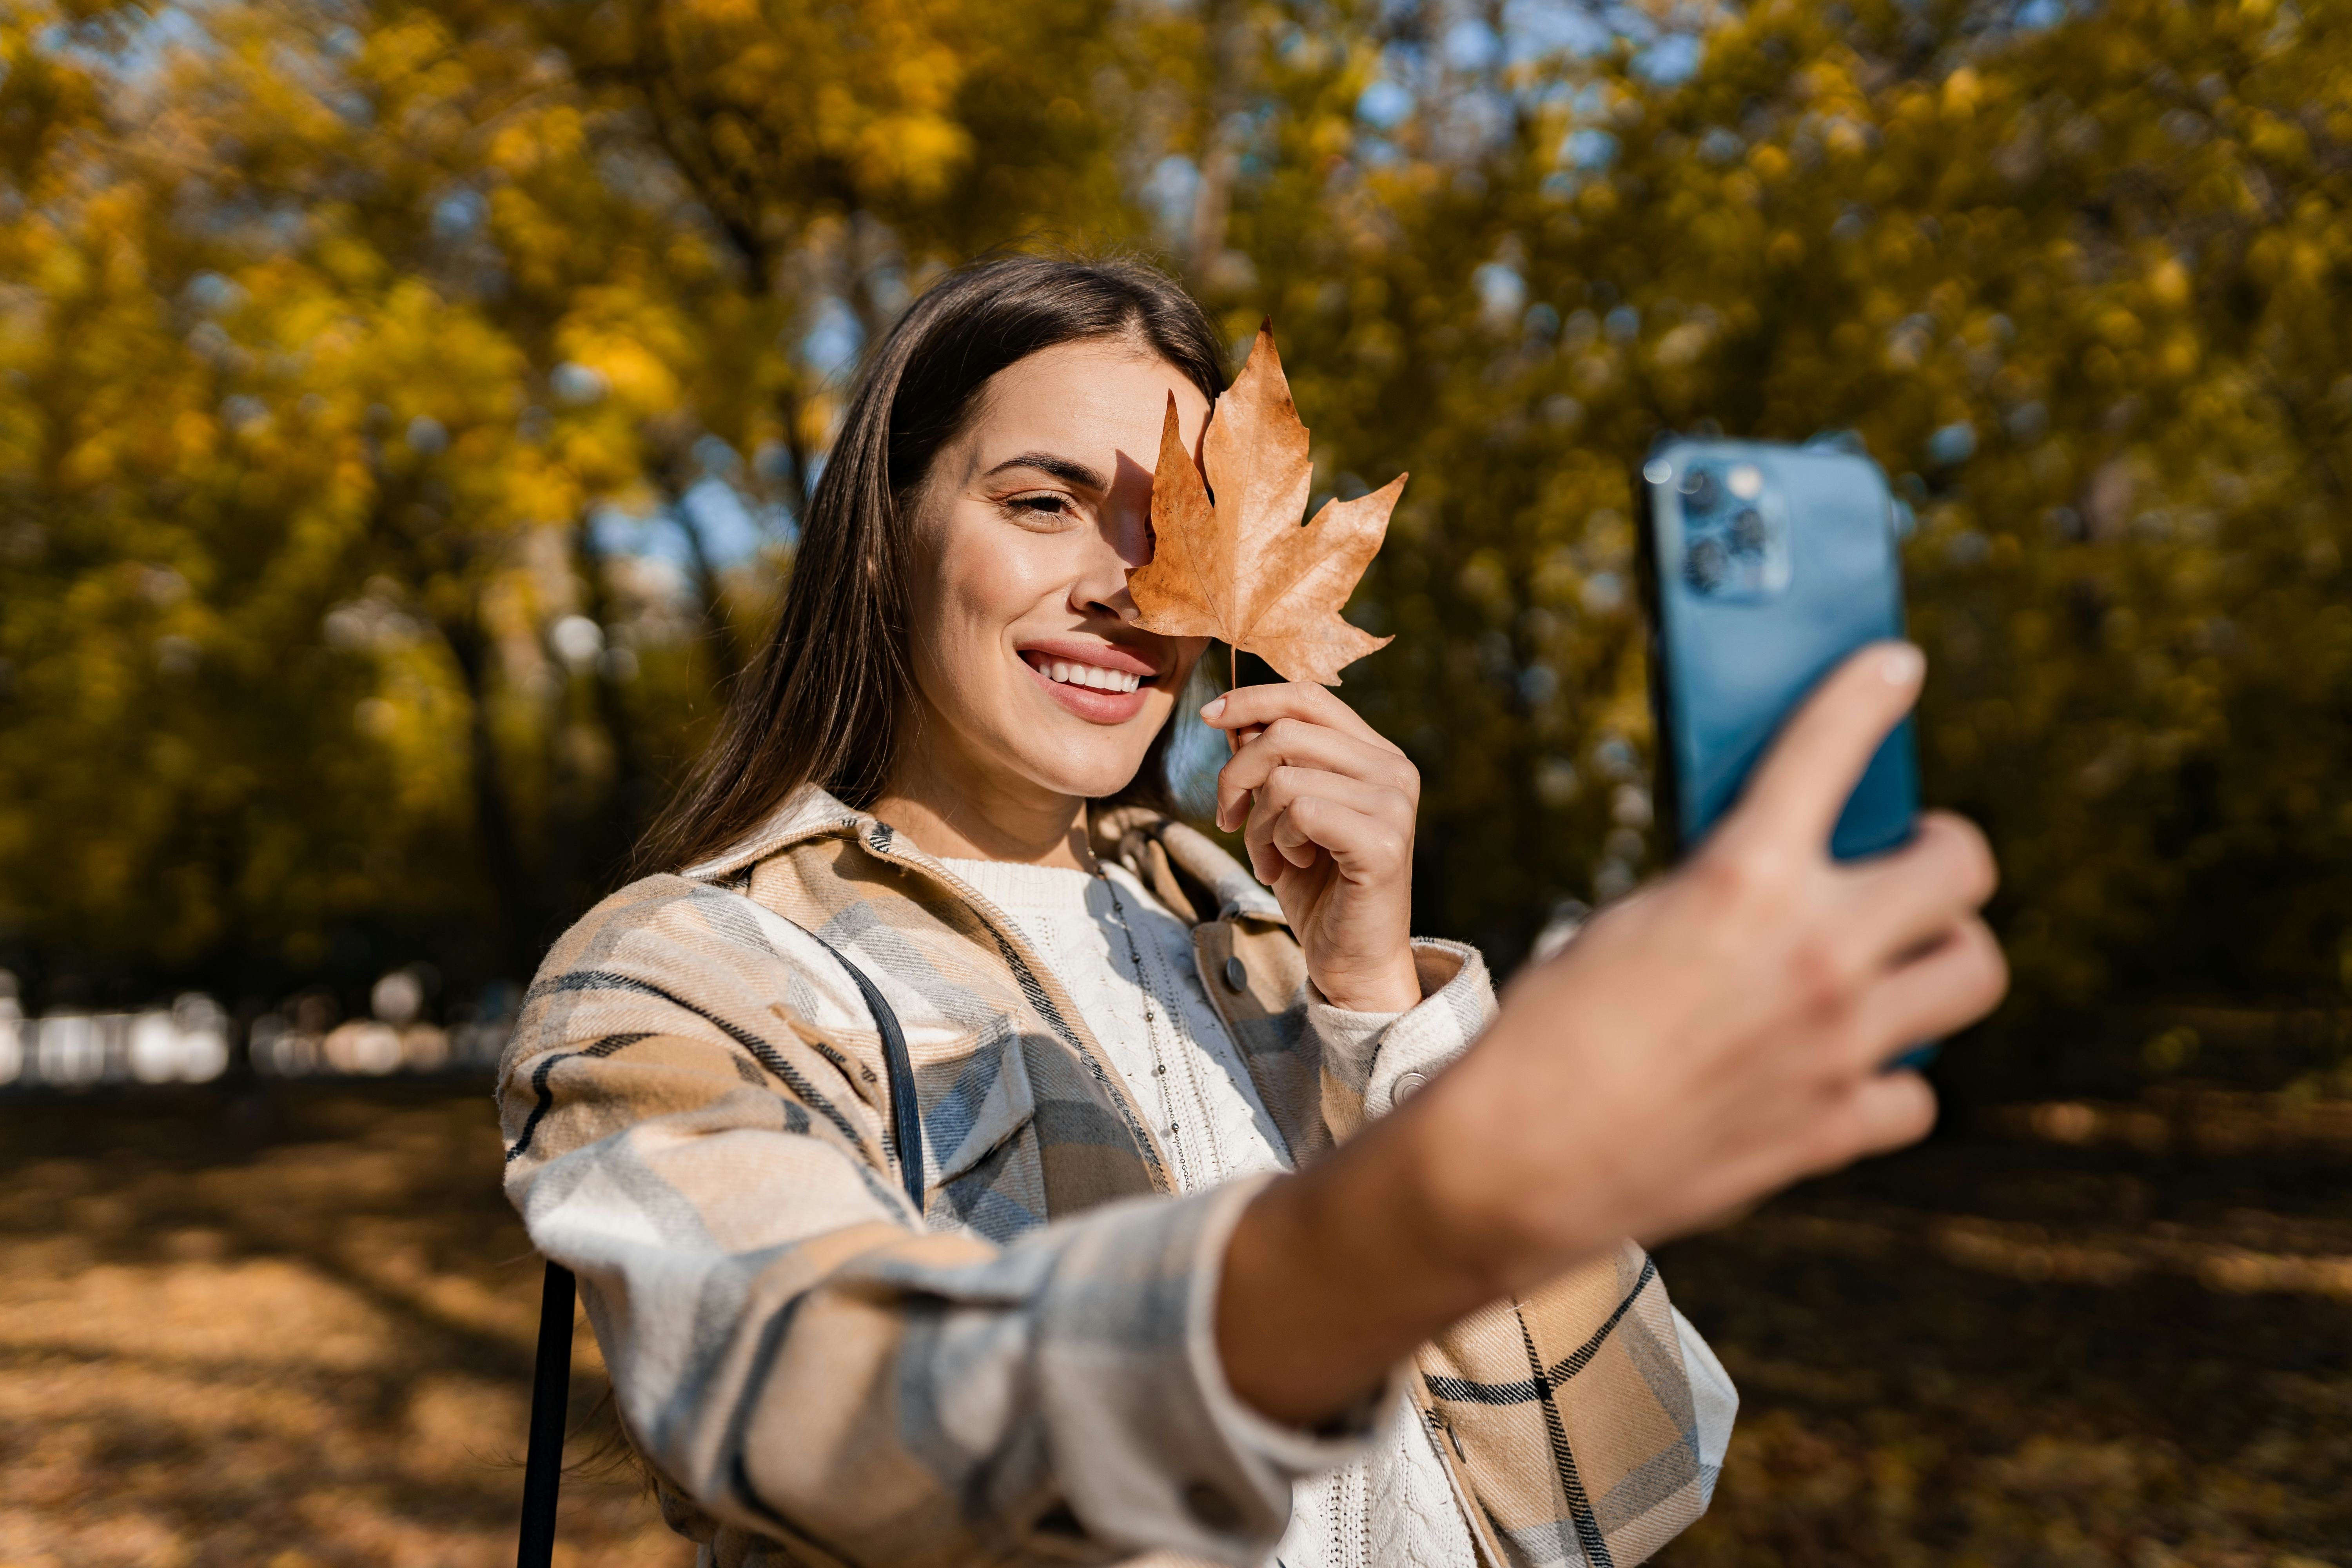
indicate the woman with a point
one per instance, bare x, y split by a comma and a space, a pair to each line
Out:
1211, 1259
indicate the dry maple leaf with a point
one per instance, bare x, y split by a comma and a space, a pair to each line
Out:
1241, 568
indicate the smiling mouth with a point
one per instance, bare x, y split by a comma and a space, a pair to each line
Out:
1093, 677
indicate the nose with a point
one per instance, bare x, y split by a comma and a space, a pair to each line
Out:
1100, 586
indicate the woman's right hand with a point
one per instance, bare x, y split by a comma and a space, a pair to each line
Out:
1702, 1044
1727, 1030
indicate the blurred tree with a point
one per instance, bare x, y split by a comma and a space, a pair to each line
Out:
2077, 279
405, 407
456, 310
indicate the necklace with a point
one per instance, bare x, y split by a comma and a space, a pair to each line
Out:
1150, 1033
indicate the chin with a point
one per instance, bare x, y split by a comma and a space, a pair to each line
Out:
1096, 784
1089, 773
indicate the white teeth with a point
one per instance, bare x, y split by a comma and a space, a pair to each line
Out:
1092, 675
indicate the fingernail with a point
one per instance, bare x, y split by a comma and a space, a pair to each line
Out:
1901, 664
1215, 706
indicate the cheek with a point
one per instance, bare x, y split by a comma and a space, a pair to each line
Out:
992, 583
981, 580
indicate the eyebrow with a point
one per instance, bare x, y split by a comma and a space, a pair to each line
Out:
1063, 468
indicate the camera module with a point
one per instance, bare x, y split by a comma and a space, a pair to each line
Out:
1704, 565
1699, 491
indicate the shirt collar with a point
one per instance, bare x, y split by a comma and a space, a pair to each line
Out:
812, 813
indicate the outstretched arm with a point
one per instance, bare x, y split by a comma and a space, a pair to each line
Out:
1697, 1046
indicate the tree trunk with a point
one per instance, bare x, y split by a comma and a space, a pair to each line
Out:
635, 793
515, 908
1227, 29
726, 653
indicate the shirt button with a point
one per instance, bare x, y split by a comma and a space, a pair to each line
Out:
1212, 1508
1407, 1084
1236, 974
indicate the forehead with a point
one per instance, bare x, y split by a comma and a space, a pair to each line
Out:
1083, 399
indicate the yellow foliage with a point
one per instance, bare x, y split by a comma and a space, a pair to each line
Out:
396, 349
1961, 90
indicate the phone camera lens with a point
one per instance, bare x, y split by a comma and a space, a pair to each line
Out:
1704, 565
1699, 491
1747, 531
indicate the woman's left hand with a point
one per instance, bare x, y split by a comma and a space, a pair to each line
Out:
1329, 804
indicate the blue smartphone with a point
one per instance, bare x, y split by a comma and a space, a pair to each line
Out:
1762, 567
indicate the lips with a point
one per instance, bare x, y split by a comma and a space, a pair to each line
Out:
1099, 682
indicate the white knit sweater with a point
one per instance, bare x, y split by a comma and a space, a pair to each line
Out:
1395, 1508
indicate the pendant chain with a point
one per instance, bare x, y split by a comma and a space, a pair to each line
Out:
1150, 1032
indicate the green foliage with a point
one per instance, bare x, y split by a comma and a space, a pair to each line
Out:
329, 338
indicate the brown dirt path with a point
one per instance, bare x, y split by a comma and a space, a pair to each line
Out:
2112, 1336
299, 1333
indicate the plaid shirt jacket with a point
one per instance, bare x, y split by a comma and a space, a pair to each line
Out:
696, 1124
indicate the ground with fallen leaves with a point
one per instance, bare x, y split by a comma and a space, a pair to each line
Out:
271, 1334
298, 1332
2083, 1335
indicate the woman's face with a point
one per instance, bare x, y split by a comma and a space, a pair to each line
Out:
1031, 674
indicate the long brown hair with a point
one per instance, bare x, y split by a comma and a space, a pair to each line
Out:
826, 701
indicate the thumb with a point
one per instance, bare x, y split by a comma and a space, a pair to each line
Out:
1801, 785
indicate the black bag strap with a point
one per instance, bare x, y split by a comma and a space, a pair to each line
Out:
906, 1115
550, 1390
550, 1376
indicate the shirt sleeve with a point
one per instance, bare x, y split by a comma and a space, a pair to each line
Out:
1715, 1402
794, 1353
1373, 1060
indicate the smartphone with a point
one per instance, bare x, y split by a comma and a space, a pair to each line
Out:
1762, 566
